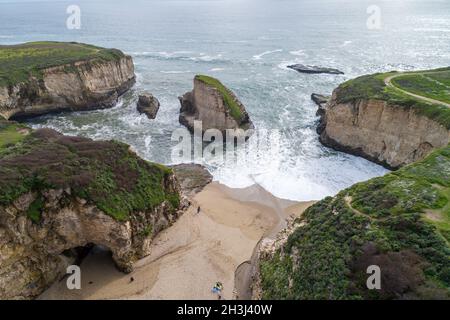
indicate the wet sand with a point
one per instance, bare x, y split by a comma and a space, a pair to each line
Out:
193, 254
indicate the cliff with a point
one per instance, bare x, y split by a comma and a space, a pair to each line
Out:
43, 77
59, 194
399, 222
385, 123
213, 104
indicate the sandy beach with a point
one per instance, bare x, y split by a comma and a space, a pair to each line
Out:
193, 254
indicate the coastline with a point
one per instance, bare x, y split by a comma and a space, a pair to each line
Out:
190, 256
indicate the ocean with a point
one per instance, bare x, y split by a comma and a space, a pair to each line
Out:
247, 44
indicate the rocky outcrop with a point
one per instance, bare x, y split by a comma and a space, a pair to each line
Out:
148, 104
193, 177
60, 193
397, 222
381, 131
82, 85
214, 105
313, 69
321, 101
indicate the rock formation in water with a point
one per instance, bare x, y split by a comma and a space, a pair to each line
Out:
60, 193
214, 105
43, 77
321, 101
148, 104
367, 119
313, 69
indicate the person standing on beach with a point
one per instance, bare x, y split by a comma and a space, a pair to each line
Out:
198, 210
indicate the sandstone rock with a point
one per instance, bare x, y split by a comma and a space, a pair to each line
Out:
382, 132
78, 86
148, 104
321, 101
214, 105
192, 177
313, 69
59, 193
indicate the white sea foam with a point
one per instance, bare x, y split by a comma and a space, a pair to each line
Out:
176, 71
298, 53
261, 55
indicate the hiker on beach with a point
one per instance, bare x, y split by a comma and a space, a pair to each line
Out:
218, 288
198, 210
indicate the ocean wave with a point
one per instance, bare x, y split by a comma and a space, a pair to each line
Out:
179, 56
176, 71
431, 30
298, 53
261, 55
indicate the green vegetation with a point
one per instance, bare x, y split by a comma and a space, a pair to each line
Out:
426, 85
106, 173
10, 134
227, 96
399, 222
374, 87
35, 210
19, 62
147, 231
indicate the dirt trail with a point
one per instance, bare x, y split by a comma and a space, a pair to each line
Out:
388, 82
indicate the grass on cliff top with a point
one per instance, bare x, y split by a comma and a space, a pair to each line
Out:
399, 222
105, 173
434, 86
373, 87
228, 98
11, 133
19, 62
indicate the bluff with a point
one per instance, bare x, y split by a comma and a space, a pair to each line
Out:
399, 222
213, 104
59, 194
43, 77
391, 123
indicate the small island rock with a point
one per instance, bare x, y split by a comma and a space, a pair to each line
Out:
313, 69
148, 104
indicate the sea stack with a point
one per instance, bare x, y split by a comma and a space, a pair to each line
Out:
148, 104
216, 106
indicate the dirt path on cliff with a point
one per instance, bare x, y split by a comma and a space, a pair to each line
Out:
388, 82
189, 257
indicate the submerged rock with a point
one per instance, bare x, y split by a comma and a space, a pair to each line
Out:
59, 193
148, 104
313, 69
214, 105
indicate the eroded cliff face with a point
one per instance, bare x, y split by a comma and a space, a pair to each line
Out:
83, 85
387, 134
60, 193
206, 103
397, 222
